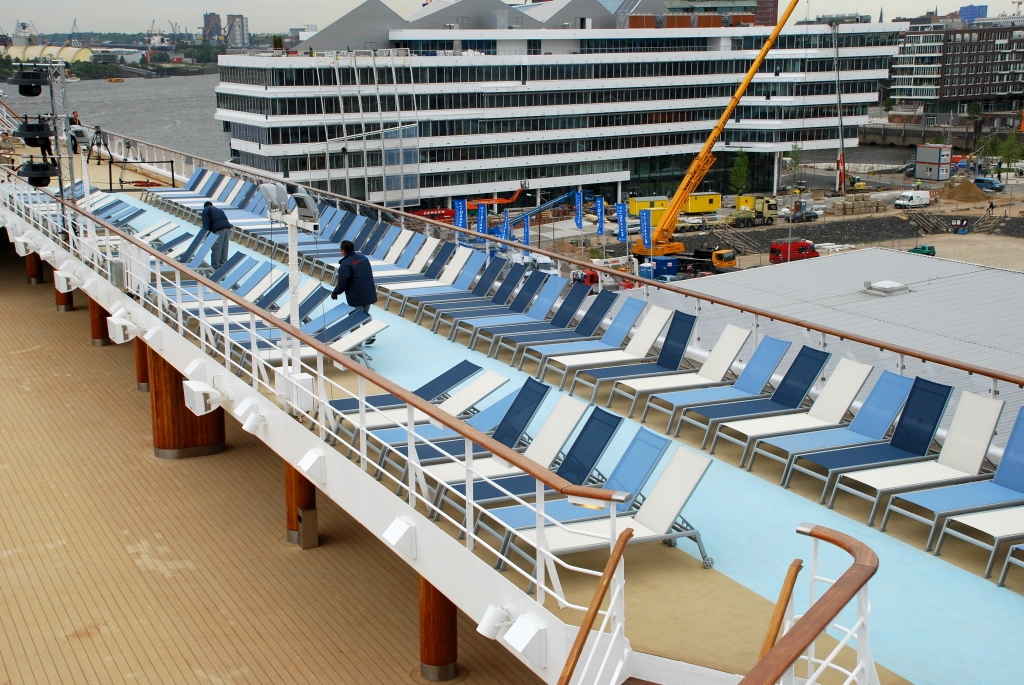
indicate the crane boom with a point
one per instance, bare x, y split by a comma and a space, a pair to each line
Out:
661, 235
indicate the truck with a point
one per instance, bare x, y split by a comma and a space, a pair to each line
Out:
591, 277
913, 198
791, 250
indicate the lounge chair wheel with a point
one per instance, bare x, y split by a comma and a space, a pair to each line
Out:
709, 562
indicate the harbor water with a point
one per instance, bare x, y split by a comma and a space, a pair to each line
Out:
175, 112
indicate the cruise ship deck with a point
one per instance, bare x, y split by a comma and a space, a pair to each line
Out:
126, 568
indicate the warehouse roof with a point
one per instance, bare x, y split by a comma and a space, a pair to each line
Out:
967, 313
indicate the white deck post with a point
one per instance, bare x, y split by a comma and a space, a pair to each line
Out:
362, 423
542, 543
469, 493
413, 458
253, 350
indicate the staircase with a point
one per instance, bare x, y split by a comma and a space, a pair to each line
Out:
738, 241
987, 223
927, 223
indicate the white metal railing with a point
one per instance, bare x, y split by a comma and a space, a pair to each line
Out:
260, 353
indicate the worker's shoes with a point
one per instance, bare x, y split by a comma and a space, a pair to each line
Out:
371, 341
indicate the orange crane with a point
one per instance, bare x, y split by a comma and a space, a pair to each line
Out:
474, 204
661, 235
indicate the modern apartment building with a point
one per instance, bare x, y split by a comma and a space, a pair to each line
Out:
477, 97
947, 65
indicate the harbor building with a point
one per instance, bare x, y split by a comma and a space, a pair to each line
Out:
478, 97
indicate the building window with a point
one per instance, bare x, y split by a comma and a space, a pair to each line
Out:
533, 47
488, 47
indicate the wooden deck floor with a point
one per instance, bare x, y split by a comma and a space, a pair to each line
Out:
119, 568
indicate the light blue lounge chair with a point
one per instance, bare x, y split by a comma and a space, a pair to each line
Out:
870, 424
537, 311
750, 384
1006, 489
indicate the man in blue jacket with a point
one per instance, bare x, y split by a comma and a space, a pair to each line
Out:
355, 279
216, 221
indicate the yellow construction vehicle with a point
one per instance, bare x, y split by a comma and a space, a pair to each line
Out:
661, 234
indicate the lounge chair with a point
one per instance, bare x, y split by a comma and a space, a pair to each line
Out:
658, 519
561, 319
537, 311
454, 316
502, 294
462, 283
545, 448
437, 387
431, 273
517, 342
786, 399
669, 359
910, 441
959, 461
1002, 525
871, 423
638, 350
1010, 559
613, 338
421, 298
448, 275
634, 467
749, 384
578, 467
351, 344
456, 405
712, 372
1006, 489
829, 410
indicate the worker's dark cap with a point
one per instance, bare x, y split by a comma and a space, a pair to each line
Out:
348, 246
207, 204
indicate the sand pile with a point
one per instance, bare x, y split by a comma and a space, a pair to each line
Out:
965, 192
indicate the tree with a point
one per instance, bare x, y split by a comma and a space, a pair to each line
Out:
739, 175
974, 110
795, 153
888, 105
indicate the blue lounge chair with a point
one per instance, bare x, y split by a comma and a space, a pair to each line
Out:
522, 300
750, 384
462, 283
787, 398
870, 424
669, 359
422, 297
612, 339
910, 441
1006, 489
436, 388
563, 316
433, 269
500, 297
586, 328
577, 467
539, 309
632, 471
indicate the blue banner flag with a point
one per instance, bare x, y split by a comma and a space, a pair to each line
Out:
526, 234
506, 231
645, 227
599, 208
579, 209
481, 219
620, 215
460, 213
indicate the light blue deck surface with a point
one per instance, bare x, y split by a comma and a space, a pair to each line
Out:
932, 622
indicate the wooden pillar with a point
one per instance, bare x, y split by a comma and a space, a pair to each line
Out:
177, 432
65, 301
142, 364
439, 646
299, 493
98, 324
34, 269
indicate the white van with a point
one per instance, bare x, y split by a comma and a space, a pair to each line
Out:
913, 198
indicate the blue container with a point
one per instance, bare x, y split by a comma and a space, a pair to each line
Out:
665, 266
647, 271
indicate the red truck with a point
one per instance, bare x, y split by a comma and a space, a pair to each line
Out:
791, 251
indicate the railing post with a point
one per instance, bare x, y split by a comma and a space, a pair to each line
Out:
696, 324
757, 325
362, 424
542, 542
414, 460
868, 674
469, 494
813, 585
253, 350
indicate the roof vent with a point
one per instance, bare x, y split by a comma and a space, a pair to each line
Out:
885, 288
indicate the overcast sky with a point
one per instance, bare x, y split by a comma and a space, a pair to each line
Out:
56, 16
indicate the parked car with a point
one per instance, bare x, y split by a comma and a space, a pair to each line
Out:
992, 185
801, 217
909, 166
791, 251
927, 250
913, 198
668, 278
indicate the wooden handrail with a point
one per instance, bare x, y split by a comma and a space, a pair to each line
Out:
595, 606
486, 442
805, 631
775, 316
775, 624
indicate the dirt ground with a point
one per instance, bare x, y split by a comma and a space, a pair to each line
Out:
991, 250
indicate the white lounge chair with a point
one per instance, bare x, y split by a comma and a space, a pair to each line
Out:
967, 441
448, 275
638, 349
658, 518
457, 404
1002, 525
351, 345
543, 449
711, 372
418, 262
828, 411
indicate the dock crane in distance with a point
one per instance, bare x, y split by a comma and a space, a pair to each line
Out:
661, 235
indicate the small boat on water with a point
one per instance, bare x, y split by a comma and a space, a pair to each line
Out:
115, 80
71, 78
